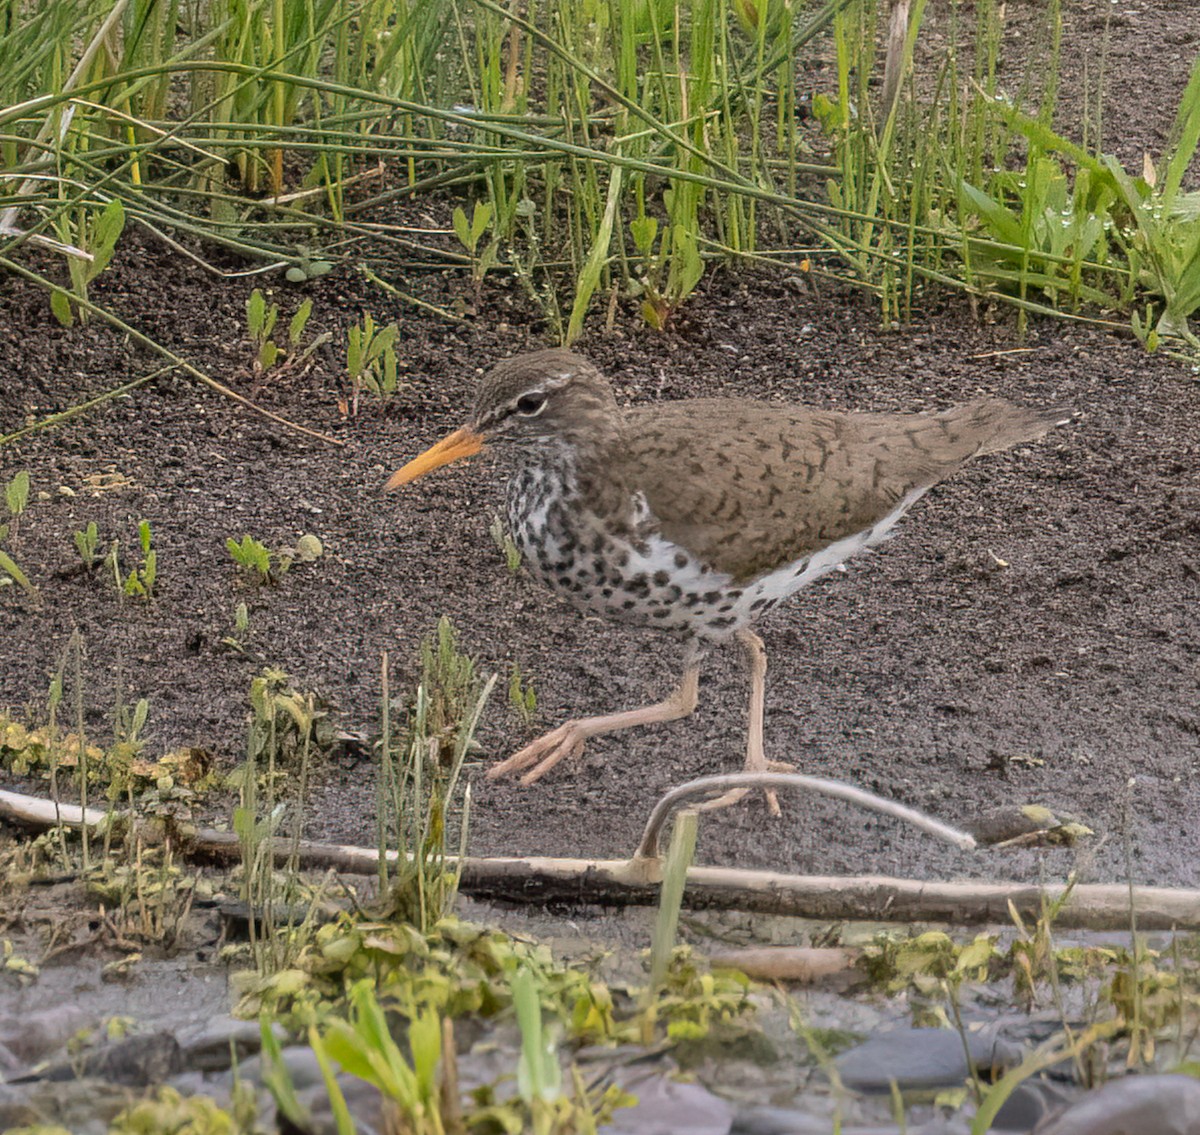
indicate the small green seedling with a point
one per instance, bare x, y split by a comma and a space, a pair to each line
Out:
95, 234
241, 625
265, 565
261, 319
469, 234
260, 322
371, 360
141, 579
16, 496
539, 1075
308, 268
503, 541
253, 557
86, 541
522, 696
10, 573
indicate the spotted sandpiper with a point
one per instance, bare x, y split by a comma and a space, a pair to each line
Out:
696, 517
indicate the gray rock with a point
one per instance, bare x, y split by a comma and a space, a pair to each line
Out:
216, 1043
136, 1061
1030, 1103
785, 1121
667, 1106
29, 1037
922, 1059
1135, 1105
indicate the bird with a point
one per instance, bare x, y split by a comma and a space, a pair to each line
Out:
696, 517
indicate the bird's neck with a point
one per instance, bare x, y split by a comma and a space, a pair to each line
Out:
586, 466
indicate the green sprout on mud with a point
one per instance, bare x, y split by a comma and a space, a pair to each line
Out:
371, 360
261, 319
522, 696
141, 579
308, 268
539, 1076
419, 779
506, 544
263, 565
677, 259
96, 235
260, 322
288, 728
86, 541
241, 626
469, 234
363, 1046
16, 497
252, 556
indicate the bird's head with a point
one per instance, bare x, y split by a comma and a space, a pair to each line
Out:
526, 401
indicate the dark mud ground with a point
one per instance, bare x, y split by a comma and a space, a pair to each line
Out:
1068, 674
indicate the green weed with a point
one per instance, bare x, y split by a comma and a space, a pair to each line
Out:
253, 557
91, 239
507, 547
469, 234
263, 565
419, 779
269, 354
16, 497
371, 361
522, 696
86, 542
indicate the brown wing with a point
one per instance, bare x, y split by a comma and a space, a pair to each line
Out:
749, 487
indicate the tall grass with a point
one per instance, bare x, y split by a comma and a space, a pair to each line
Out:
619, 147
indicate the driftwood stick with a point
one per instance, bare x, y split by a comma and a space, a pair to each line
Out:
1093, 906
805, 964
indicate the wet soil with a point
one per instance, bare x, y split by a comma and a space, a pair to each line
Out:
1030, 634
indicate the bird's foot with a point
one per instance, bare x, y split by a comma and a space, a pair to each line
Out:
544, 753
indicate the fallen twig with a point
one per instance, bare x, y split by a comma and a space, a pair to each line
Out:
635, 881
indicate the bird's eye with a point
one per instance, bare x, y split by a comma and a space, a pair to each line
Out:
530, 405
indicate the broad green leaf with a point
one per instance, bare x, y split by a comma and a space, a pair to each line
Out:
1003, 224
462, 230
16, 492
643, 229
60, 305
480, 220
109, 225
7, 564
296, 327
256, 313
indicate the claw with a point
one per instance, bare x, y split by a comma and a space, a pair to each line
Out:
544, 753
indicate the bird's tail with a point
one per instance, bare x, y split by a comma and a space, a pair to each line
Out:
1000, 425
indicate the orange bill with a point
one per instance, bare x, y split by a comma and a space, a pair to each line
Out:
461, 443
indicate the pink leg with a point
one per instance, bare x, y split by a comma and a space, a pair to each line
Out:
756, 757
568, 739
